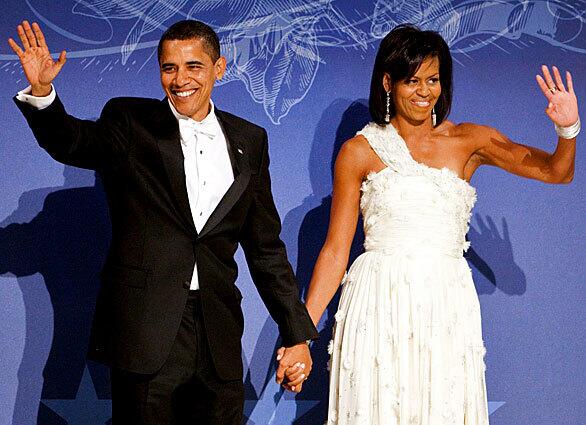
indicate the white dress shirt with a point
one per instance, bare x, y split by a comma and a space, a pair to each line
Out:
208, 169
38, 102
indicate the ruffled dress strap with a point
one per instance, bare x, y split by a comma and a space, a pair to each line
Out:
384, 142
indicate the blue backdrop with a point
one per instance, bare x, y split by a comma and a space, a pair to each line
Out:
302, 70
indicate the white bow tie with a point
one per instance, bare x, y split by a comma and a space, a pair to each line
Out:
207, 128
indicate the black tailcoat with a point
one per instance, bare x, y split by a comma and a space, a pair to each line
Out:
135, 146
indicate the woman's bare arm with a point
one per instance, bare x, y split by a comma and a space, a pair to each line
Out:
526, 161
349, 171
494, 148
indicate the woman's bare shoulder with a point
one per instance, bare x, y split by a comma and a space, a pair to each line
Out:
469, 129
357, 147
357, 155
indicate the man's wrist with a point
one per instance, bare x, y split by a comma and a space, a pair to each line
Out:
26, 96
41, 90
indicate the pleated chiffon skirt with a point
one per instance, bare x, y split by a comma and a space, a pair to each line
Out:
407, 345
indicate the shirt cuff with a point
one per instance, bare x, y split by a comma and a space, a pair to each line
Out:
35, 101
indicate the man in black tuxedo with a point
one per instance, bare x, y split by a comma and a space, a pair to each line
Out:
186, 183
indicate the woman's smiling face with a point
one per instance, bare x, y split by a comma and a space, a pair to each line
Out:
415, 97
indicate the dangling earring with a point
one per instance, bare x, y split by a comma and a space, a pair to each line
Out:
388, 114
433, 117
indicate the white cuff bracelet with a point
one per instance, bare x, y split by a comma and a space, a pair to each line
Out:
568, 132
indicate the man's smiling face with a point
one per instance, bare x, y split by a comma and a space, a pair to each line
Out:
188, 74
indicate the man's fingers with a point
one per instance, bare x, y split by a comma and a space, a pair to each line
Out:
294, 388
62, 59
22, 36
15, 47
298, 380
29, 34
281, 373
60, 62
39, 35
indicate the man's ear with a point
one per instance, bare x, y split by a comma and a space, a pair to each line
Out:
220, 67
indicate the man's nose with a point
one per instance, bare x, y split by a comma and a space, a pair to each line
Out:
182, 77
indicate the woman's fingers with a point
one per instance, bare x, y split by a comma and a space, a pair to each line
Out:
547, 77
280, 351
561, 101
558, 79
296, 375
294, 372
570, 82
296, 379
543, 86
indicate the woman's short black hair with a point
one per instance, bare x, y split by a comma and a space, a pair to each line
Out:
400, 54
190, 29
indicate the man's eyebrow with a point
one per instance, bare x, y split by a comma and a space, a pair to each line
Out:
189, 63
194, 62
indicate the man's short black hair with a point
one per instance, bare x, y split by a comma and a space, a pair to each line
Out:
190, 30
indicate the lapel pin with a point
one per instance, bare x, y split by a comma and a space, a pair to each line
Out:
240, 151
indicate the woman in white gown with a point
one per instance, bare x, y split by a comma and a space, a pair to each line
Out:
407, 346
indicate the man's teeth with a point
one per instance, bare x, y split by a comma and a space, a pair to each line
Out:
184, 93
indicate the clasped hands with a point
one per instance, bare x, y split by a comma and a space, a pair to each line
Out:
294, 366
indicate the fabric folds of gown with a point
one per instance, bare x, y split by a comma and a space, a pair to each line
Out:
407, 346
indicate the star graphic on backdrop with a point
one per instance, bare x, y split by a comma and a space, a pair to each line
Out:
493, 406
274, 408
86, 408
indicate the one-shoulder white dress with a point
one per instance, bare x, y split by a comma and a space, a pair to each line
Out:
407, 346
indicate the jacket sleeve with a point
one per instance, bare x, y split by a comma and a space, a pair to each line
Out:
267, 261
76, 142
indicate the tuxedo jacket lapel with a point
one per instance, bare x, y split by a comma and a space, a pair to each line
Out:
240, 165
168, 139
169, 142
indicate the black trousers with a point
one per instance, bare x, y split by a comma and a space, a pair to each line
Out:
186, 391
